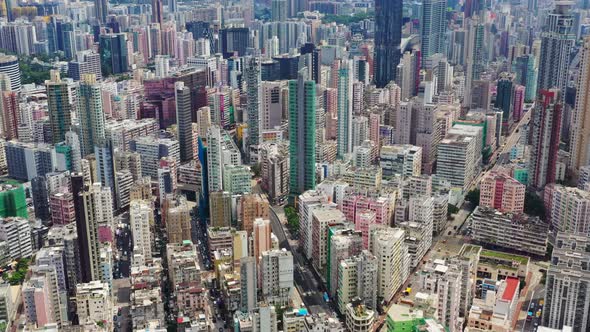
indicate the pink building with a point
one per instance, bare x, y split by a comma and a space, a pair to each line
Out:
190, 297
518, 102
160, 102
37, 302
354, 204
331, 102
63, 210
363, 221
262, 233
502, 193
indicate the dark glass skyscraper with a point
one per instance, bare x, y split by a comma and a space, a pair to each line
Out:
113, 53
102, 10
388, 36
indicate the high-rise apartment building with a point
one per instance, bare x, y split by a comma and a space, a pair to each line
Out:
152, 150
434, 26
344, 108
141, 217
253, 206
279, 10
449, 298
567, 291
357, 278
90, 114
403, 159
261, 237
276, 268
16, 232
59, 107
580, 132
557, 41
387, 244
569, 209
456, 160
220, 209
178, 220
96, 209
253, 88
184, 121
302, 127
248, 284
87, 62
502, 192
545, 138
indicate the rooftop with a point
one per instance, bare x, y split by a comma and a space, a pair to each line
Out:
510, 290
504, 256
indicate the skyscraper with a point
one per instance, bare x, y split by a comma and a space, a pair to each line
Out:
102, 10
504, 96
388, 36
545, 137
157, 12
59, 107
567, 290
97, 209
184, 123
556, 44
302, 148
526, 74
433, 25
113, 53
249, 284
279, 10
580, 133
90, 113
344, 109
252, 73
474, 55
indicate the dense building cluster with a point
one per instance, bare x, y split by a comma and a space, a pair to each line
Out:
293, 165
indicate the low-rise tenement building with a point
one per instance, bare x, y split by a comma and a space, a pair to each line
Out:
498, 265
501, 192
497, 311
93, 303
185, 275
359, 318
513, 231
402, 318
294, 320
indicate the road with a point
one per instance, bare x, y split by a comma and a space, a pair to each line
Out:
123, 242
502, 155
449, 242
122, 291
307, 282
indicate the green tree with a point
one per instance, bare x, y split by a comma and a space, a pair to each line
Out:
473, 197
17, 277
292, 220
534, 206
451, 209
256, 170
347, 19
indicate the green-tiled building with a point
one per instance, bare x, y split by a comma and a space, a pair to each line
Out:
13, 201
